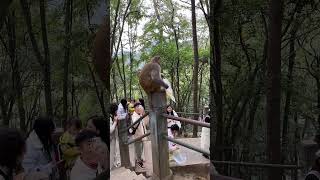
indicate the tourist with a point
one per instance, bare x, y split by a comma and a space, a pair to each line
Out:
139, 130
68, 147
122, 110
87, 165
113, 134
40, 156
131, 106
141, 101
205, 137
99, 125
173, 127
11, 154
314, 174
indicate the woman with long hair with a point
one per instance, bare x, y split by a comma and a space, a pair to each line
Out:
113, 133
11, 153
100, 126
173, 126
40, 156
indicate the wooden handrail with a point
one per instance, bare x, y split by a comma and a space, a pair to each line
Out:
186, 120
186, 145
259, 165
138, 138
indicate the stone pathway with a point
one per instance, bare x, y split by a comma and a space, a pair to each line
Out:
193, 157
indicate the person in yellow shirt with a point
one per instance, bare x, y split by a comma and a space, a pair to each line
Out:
68, 147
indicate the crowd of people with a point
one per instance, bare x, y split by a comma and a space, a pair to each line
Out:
81, 153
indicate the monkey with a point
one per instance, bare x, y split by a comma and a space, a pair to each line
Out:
150, 77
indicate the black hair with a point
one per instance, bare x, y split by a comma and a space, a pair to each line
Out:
44, 128
207, 119
170, 113
12, 147
174, 127
74, 121
84, 135
102, 125
124, 103
136, 104
113, 109
142, 103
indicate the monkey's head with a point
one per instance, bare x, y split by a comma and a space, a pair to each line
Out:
156, 59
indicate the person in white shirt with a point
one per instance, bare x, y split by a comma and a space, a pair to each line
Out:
87, 166
173, 127
40, 155
113, 133
205, 133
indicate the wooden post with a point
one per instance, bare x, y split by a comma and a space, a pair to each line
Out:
124, 148
158, 125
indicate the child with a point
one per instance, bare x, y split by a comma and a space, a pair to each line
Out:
87, 165
68, 147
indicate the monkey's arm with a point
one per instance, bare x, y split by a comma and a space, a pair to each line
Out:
155, 77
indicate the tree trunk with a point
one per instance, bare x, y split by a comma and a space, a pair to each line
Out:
44, 62
318, 95
4, 6
67, 44
15, 70
124, 73
196, 65
285, 125
273, 93
46, 68
215, 74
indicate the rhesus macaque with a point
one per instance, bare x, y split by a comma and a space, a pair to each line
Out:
150, 77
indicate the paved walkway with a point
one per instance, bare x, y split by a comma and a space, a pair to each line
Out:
193, 157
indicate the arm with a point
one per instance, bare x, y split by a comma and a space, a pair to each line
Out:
155, 77
112, 126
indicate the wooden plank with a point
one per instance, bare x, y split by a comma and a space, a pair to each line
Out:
158, 125
124, 148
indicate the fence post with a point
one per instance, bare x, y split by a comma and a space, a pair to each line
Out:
124, 149
158, 126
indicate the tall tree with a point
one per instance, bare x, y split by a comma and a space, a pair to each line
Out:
273, 93
196, 65
67, 44
17, 84
43, 61
46, 60
214, 21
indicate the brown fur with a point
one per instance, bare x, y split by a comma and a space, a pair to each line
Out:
150, 78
